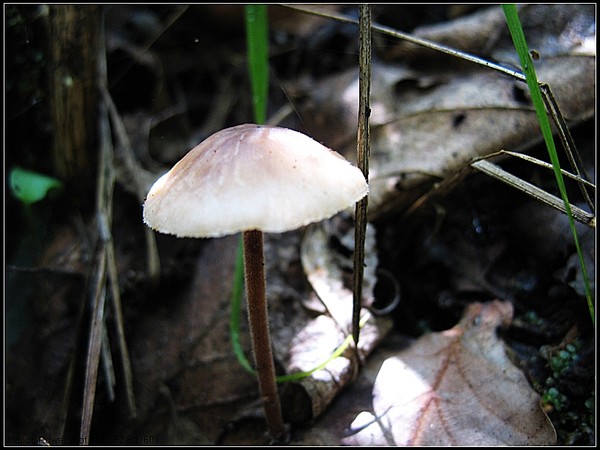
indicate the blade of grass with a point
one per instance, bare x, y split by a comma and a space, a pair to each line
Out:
257, 38
338, 352
236, 306
518, 37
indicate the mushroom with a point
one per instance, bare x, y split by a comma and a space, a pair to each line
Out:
253, 179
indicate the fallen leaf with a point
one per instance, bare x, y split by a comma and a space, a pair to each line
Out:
550, 30
182, 341
326, 262
185, 345
456, 387
439, 116
471, 116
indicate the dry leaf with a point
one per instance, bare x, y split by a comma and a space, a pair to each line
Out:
549, 29
183, 342
327, 266
325, 260
471, 116
456, 387
308, 398
439, 117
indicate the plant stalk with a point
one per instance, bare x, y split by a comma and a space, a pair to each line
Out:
258, 319
362, 161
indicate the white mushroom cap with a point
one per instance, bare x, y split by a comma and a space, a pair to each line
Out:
252, 177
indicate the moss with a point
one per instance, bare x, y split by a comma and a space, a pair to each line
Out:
568, 400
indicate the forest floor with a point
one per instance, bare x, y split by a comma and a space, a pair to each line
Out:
176, 75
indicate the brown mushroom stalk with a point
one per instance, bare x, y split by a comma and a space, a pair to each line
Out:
259, 331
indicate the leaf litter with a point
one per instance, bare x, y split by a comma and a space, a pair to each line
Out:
454, 387
189, 387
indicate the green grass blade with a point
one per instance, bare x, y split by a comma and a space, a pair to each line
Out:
516, 31
257, 38
338, 352
236, 307
257, 34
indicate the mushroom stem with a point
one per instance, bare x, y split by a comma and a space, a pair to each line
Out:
254, 272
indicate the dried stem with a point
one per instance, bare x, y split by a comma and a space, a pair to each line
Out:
363, 149
259, 330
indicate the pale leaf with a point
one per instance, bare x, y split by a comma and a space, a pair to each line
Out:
456, 387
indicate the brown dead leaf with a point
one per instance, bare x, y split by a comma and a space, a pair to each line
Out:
457, 387
550, 30
468, 117
183, 348
183, 342
429, 121
330, 271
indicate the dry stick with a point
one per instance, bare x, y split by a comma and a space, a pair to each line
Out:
107, 160
94, 348
105, 268
363, 147
94, 304
258, 319
415, 40
126, 157
133, 169
125, 361
98, 298
539, 194
113, 278
107, 365
545, 165
498, 173
567, 141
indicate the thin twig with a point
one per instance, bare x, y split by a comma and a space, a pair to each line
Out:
133, 169
107, 365
545, 165
515, 182
567, 141
415, 40
113, 276
533, 191
363, 148
98, 298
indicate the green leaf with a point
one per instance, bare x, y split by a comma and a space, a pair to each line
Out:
31, 187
